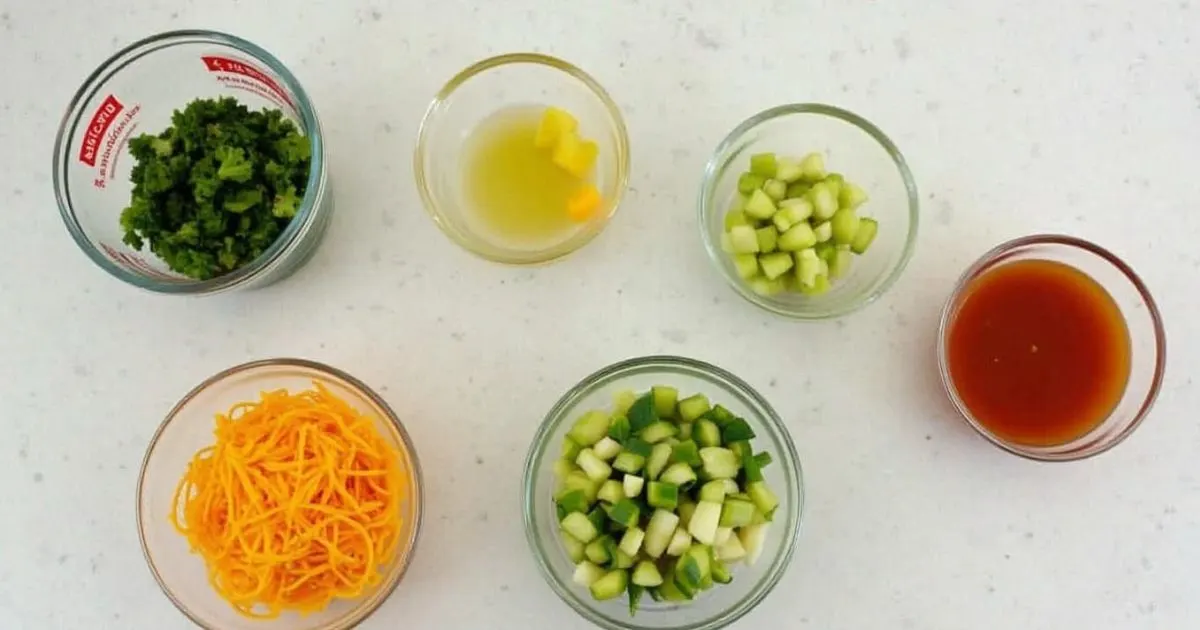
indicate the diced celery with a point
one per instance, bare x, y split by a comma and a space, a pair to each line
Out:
664, 400
576, 550
788, 170
686, 452
759, 206
611, 491
753, 539
703, 526
763, 498
659, 531
864, 236
763, 286
823, 231
823, 201
749, 182
797, 189
658, 460
723, 534
595, 468
622, 400
597, 550
719, 462
744, 239
692, 407
808, 265
627, 462
851, 196
768, 236
819, 286
607, 448
646, 574
578, 526
707, 433
763, 164
813, 167
736, 513
590, 427
658, 432
845, 225
680, 474
631, 542
798, 237
587, 574
735, 217
775, 265
713, 491
661, 494
839, 264
746, 265
611, 586
833, 182
825, 250
680, 542
775, 189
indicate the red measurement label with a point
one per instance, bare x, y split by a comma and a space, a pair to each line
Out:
94, 134
235, 66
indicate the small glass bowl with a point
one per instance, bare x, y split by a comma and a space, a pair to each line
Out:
719, 606
852, 146
189, 427
486, 87
135, 91
1147, 340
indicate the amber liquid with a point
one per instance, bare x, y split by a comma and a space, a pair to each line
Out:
1038, 352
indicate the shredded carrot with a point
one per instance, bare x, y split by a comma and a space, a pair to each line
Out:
296, 504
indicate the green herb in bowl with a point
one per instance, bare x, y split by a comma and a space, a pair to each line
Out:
217, 187
660, 496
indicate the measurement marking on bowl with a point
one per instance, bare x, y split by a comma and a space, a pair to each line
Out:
136, 263
107, 132
237, 74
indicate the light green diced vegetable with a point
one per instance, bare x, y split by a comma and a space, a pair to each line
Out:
577, 480
736, 513
799, 236
845, 225
646, 574
823, 201
680, 542
606, 449
685, 430
622, 560
749, 182
597, 550
851, 196
763, 164
580, 527
788, 170
706, 433
723, 534
746, 265
680, 473
622, 401
624, 513
627, 462
611, 586
571, 448
761, 495
692, 568
704, 523
595, 468
659, 531
732, 550
759, 206
767, 237
658, 432
864, 236
808, 266
823, 231
813, 167
662, 494
632, 485
766, 287
611, 491
664, 400
825, 250
734, 218
819, 286
753, 538
631, 542
562, 468
719, 463
797, 189
743, 239
775, 265
720, 572
686, 452
658, 460
591, 427
575, 549
795, 210
713, 491
669, 592
692, 407
587, 574
687, 507
775, 189
833, 182
839, 264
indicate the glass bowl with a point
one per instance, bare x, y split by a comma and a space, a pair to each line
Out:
515, 80
189, 427
852, 146
135, 91
1147, 340
715, 608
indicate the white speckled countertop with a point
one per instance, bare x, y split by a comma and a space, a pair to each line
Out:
1016, 116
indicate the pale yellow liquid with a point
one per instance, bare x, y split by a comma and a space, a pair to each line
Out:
515, 190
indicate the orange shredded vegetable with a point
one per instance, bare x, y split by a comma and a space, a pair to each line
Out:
296, 504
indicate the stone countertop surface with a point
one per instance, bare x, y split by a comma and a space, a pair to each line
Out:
1016, 116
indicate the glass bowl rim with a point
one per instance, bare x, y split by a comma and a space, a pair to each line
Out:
713, 168
439, 103
298, 226
988, 261
770, 419
404, 553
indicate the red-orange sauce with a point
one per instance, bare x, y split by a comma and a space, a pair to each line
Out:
1038, 352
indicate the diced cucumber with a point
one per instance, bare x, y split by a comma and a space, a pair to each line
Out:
624, 513
739, 448
791, 212
763, 164
775, 189
813, 167
622, 401
752, 471
767, 237
659, 531
753, 539
639, 447
686, 452
845, 225
658, 460
669, 592
720, 572
587, 573
825, 251
646, 574
759, 206
732, 550
607, 448
775, 265
723, 534
663, 495
631, 542
692, 407
680, 542
761, 495
632, 486
719, 462
692, 568
597, 550
619, 429
808, 267
595, 468
820, 285
823, 231
833, 181
685, 431
823, 201
575, 549
641, 414
864, 236
798, 189
610, 586
575, 501
743, 239
788, 170
611, 491
680, 473
597, 517
706, 433
590, 428
736, 513
851, 196
713, 491
571, 448
765, 287
748, 183
664, 400
622, 560
737, 430
578, 481
798, 237
839, 264
736, 217
627, 462
703, 526
658, 432
746, 265
580, 527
